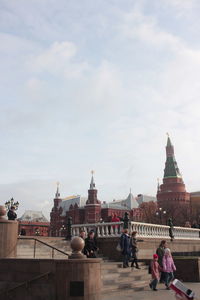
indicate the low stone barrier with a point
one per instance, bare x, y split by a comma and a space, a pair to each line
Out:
147, 247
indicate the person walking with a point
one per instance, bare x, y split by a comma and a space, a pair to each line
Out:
168, 267
160, 252
134, 250
125, 247
155, 272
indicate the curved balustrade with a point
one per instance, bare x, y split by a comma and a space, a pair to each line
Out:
110, 229
144, 230
186, 233
150, 230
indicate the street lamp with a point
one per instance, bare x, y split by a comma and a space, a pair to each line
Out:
10, 203
62, 230
37, 231
160, 213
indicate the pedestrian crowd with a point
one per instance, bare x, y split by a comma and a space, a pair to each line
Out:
162, 266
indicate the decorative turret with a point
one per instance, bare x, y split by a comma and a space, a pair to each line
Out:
172, 195
57, 199
93, 205
171, 167
92, 192
92, 184
158, 185
57, 195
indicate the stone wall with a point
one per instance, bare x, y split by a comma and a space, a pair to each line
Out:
67, 279
147, 247
188, 269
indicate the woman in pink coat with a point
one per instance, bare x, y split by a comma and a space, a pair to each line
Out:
168, 267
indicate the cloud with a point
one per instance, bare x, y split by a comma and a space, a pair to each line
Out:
136, 25
57, 60
183, 8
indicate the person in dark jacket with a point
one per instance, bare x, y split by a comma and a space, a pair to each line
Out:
134, 250
125, 246
160, 252
90, 245
23, 231
12, 214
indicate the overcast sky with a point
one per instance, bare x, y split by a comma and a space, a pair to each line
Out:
96, 85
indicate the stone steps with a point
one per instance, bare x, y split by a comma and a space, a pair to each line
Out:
115, 278
134, 286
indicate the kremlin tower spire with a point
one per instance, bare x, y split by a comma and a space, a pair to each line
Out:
57, 195
93, 205
92, 192
57, 199
158, 185
92, 184
171, 167
171, 194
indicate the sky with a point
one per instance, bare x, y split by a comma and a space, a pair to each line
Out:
96, 85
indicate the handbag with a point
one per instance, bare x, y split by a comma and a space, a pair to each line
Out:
118, 248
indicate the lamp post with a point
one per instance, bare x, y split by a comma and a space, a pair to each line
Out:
160, 213
69, 229
37, 231
62, 230
126, 220
10, 203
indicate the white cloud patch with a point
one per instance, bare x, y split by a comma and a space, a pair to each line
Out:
58, 60
136, 25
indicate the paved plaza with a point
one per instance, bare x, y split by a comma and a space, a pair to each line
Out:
161, 294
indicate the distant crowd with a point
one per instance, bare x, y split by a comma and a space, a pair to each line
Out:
193, 225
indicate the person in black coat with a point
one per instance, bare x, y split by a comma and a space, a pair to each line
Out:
125, 246
90, 245
12, 214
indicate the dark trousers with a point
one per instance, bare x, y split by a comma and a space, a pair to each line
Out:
125, 260
168, 278
162, 277
134, 260
154, 283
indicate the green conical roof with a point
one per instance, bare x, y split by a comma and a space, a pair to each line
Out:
171, 168
169, 143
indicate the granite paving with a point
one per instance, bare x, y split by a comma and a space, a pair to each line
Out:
161, 294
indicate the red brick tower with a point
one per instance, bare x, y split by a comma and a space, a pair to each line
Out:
55, 222
172, 195
93, 205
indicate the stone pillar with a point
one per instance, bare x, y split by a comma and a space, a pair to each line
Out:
8, 236
81, 280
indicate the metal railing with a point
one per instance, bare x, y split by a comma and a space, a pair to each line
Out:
39, 241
